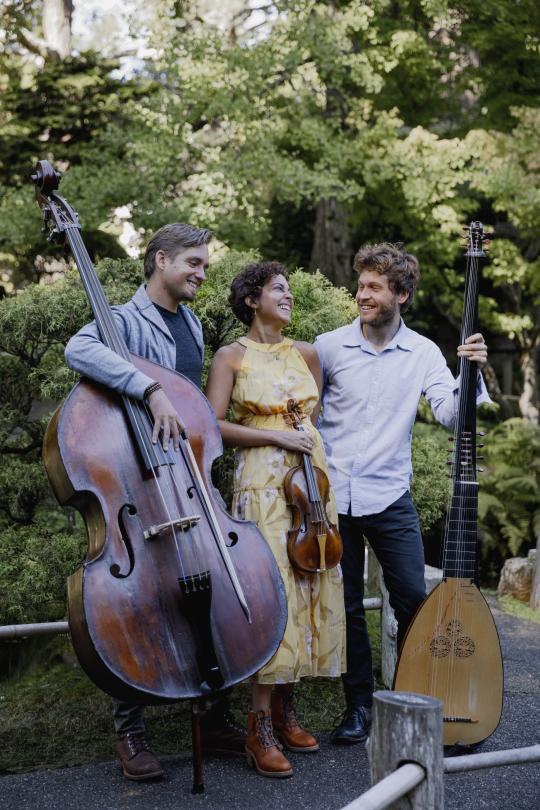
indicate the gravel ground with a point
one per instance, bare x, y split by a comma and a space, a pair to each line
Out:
324, 781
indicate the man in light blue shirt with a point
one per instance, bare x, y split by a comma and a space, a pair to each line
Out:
375, 371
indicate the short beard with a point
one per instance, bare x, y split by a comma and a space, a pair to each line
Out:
385, 316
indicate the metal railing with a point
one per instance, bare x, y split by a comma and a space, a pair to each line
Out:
11, 631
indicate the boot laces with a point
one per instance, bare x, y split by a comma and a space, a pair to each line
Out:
265, 732
136, 744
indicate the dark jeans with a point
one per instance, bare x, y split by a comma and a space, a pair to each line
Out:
394, 536
128, 718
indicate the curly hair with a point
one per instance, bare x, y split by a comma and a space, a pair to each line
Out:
248, 284
401, 268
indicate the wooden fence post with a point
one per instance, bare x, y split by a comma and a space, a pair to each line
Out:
388, 637
408, 728
373, 568
535, 587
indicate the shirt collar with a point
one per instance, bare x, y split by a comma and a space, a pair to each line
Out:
403, 339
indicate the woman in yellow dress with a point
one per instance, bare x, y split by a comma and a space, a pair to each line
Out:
257, 375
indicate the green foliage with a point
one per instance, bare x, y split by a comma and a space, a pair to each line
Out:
430, 485
509, 501
516, 608
34, 327
35, 561
76, 115
319, 306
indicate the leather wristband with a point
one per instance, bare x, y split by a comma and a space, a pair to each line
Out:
150, 390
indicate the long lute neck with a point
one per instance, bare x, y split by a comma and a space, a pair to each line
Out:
459, 558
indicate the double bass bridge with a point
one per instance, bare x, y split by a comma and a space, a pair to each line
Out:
182, 523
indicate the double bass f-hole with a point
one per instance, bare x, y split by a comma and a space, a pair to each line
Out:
313, 541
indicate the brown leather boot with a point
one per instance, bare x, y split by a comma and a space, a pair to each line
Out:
286, 726
262, 749
138, 762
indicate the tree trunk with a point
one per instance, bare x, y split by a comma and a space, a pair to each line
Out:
57, 26
495, 392
332, 253
528, 401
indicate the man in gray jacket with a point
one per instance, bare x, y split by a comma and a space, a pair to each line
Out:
158, 326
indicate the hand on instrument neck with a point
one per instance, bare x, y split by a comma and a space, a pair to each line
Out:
474, 349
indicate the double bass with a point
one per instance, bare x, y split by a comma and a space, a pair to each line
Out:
451, 650
176, 599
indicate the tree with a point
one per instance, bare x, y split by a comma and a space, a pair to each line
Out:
53, 42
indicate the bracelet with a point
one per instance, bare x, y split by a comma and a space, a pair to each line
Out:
150, 390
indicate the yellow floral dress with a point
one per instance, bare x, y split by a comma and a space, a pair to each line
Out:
314, 640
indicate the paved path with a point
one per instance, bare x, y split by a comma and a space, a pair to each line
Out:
324, 781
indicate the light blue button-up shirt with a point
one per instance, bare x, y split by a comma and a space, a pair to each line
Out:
370, 400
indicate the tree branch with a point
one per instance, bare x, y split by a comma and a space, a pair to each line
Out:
37, 45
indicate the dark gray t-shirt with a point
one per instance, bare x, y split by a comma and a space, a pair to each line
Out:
188, 356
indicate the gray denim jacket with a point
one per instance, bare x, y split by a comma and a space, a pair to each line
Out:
145, 333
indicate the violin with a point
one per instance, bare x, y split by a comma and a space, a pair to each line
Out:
313, 541
176, 599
